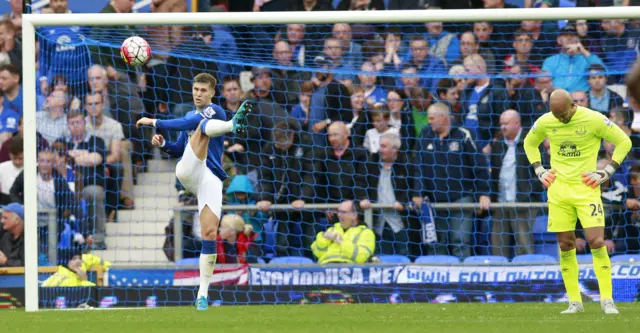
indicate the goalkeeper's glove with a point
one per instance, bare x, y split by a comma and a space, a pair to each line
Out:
595, 178
546, 176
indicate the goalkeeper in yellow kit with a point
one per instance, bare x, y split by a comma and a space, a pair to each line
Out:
573, 183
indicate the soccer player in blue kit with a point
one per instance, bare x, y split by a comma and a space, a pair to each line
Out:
200, 146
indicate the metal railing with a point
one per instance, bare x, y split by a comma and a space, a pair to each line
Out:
368, 213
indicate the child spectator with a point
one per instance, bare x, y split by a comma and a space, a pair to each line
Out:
381, 118
301, 111
235, 241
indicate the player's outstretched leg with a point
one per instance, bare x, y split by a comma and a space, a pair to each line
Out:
602, 267
215, 127
569, 268
209, 225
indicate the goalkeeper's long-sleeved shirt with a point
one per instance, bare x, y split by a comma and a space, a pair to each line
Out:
575, 145
186, 126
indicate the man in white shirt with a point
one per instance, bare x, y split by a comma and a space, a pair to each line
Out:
10, 170
52, 121
110, 131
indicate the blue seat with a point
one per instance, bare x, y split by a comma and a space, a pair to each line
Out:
626, 258
548, 248
437, 259
540, 258
261, 261
188, 261
394, 259
585, 258
292, 260
485, 259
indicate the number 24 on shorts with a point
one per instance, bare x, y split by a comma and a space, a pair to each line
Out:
595, 207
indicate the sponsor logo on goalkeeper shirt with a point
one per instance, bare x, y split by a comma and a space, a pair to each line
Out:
569, 149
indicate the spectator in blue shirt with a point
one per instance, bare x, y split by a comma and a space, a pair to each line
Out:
335, 53
353, 50
368, 78
600, 97
431, 69
619, 47
444, 45
11, 89
569, 67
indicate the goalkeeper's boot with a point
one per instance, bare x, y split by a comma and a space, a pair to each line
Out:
574, 307
202, 304
608, 307
240, 117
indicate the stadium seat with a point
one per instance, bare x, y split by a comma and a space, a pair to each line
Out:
540, 258
585, 259
188, 261
261, 261
437, 259
394, 259
626, 258
485, 260
291, 261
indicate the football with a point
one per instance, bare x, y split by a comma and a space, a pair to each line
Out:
135, 51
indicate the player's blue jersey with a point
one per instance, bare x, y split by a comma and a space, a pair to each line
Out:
187, 125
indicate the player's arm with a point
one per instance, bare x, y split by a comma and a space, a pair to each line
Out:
187, 123
614, 134
532, 143
175, 149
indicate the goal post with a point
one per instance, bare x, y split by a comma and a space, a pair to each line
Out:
30, 22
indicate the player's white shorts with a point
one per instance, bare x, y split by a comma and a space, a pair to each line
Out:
198, 179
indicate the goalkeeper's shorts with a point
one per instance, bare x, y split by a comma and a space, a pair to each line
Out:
569, 202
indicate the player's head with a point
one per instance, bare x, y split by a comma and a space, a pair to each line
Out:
438, 114
204, 88
338, 134
510, 124
562, 105
348, 214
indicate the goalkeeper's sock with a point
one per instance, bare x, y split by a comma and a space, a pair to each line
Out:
208, 258
215, 127
570, 270
602, 266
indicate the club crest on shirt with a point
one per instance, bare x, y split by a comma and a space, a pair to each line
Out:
580, 130
454, 146
208, 112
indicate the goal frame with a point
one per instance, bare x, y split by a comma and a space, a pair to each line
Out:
31, 21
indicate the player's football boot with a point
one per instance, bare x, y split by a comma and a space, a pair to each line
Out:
609, 307
574, 307
240, 117
202, 304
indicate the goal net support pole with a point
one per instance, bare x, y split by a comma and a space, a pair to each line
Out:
31, 21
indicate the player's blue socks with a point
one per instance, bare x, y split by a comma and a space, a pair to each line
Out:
208, 258
209, 247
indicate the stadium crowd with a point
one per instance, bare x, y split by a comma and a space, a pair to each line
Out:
350, 114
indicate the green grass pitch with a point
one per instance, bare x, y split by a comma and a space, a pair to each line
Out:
365, 318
